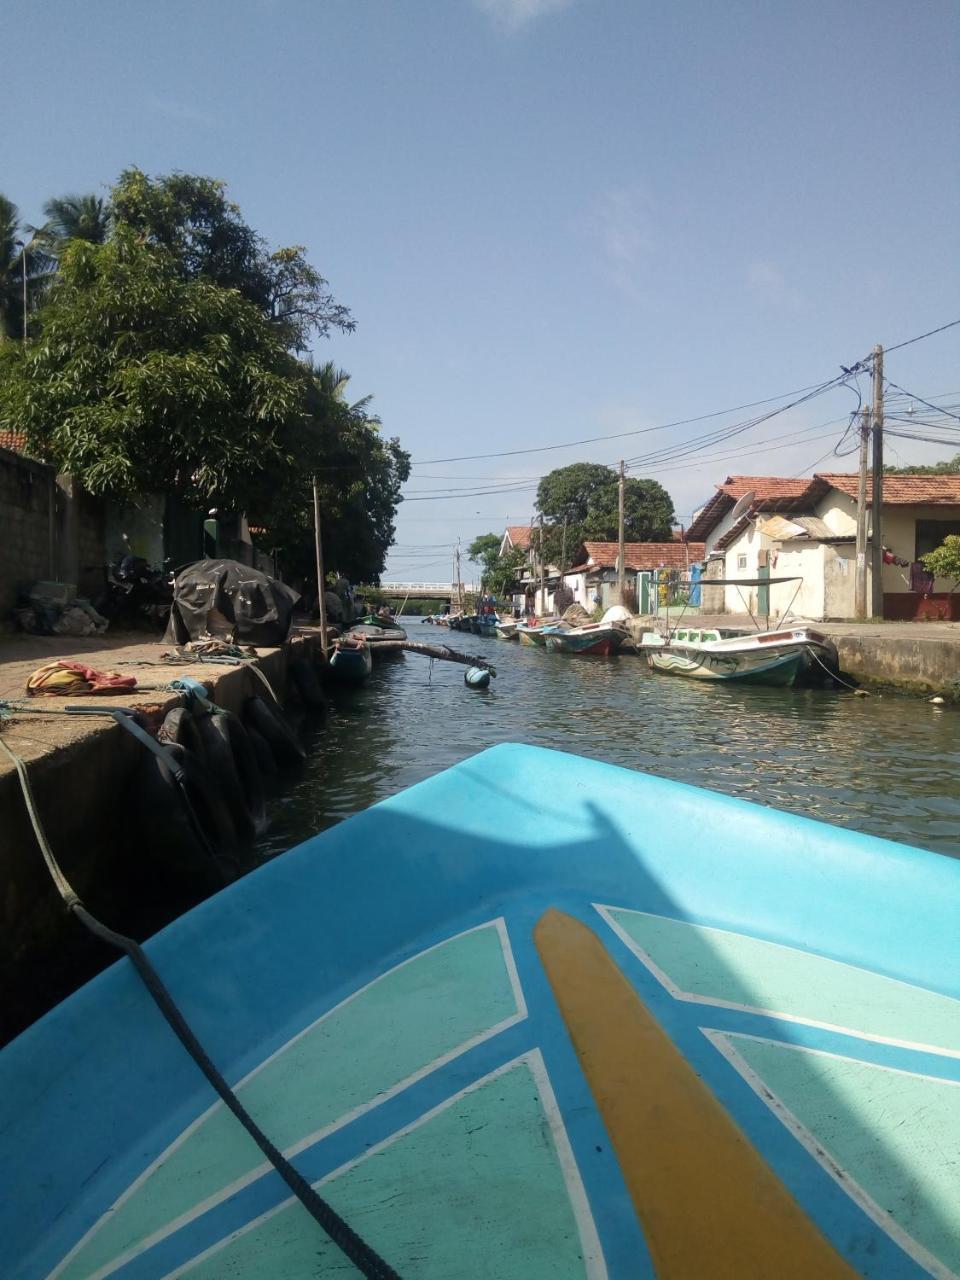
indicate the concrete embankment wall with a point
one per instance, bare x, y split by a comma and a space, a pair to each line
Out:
80, 773
924, 664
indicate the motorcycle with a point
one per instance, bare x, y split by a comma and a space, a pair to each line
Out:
136, 595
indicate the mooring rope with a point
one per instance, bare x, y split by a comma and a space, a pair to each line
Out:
367, 1261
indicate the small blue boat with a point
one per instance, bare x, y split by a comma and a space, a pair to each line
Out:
351, 663
537, 1018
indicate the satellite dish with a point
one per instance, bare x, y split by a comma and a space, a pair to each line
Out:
743, 505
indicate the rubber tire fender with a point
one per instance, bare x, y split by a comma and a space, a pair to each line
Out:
261, 749
189, 828
233, 762
305, 681
180, 726
270, 723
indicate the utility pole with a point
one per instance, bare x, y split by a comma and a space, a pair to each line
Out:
543, 587
860, 595
622, 570
876, 549
459, 580
321, 576
23, 266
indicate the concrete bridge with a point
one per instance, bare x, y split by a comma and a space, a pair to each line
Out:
425, 590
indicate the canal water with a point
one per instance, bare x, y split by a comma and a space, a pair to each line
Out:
885, 764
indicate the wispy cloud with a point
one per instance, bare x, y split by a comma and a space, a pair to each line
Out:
768, 284
621, 224
181, 111
512, 15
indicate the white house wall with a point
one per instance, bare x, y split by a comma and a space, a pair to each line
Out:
803, 560
713, 537
839, 580
838, 513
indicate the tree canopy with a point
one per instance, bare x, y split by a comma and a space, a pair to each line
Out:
164, 358
17, 244
951, 467
586, 496
497, 572
944, 561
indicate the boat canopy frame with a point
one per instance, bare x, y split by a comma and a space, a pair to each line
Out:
741, 582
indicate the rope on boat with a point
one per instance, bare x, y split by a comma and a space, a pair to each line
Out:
834, 675
364, 1258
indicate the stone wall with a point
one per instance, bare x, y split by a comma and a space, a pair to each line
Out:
50, 529
27, 525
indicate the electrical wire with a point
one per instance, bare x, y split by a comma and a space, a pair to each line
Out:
620, 435
937, 408
920, 336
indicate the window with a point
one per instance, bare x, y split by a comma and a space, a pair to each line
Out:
931, 533
742, 561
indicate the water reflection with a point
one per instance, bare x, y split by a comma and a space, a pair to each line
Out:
888, 765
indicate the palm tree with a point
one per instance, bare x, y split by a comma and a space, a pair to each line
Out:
86, 217
12, 254
333, 383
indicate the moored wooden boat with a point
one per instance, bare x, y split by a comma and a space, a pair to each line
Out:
507, 629
350, 661
765, 657
592, 637
535, 631
537, 1017
373, 631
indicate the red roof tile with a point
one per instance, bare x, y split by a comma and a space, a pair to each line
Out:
519, 535
900, 491
780, 492
643, 555
13, 440
764, 488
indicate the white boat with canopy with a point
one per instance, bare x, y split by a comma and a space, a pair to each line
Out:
777, 656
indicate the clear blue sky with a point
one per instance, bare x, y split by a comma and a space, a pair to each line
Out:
552, 219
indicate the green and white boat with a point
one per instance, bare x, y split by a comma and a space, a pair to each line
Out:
766, 657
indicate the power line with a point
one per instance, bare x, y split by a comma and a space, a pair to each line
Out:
921, 336
621, 435
937, 408
682, 422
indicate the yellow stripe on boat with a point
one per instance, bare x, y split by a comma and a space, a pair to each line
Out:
709, 1204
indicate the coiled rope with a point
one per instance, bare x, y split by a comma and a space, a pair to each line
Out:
364, 1258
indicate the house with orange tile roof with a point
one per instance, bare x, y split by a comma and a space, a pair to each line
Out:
594, 579
805, 530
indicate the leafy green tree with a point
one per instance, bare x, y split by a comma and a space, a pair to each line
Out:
585, 497
951, 467
485, 551
498, 572
147, 381
192, 218
360, 473
571, 491
12, 235
944, 561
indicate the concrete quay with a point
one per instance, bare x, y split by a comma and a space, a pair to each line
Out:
917, 657
80, 767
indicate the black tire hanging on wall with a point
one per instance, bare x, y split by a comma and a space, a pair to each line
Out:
180, 726
186, 827
233, 763
261, 749
304, 680
271, 724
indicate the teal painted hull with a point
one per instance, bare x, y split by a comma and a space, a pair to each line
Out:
351, 666
778, 671
491, 1016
